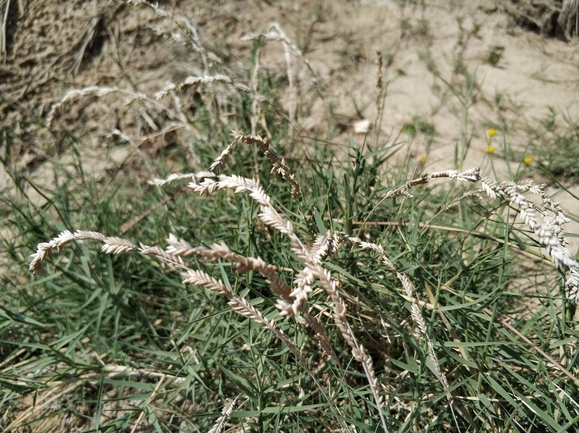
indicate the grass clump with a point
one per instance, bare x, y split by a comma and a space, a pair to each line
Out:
392, 352
334, 289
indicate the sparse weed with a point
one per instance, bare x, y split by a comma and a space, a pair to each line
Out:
494, 55
552, 141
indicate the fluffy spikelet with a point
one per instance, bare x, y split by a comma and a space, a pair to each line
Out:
192, 81
206, 187
221, 160
271, 218
64, 238
245, 264
114, 245
164, 256
268, 214
200, 278
472, 175
547, 228
243, 307
278, 164
179, 247
573, 285
304, 279
242, 184
195, 177
241, 264
225, 413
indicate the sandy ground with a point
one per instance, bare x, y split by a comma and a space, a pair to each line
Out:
436, 74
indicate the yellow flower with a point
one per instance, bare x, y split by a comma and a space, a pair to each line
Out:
422, 158
490, 149
492, 132
528, 160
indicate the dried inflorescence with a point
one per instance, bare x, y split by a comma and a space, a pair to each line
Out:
546, 220
279, 165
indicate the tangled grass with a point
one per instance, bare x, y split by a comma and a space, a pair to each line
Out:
330, 290
316, 268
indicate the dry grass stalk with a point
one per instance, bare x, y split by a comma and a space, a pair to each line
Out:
195, 40
86, 41
358, 352
255, 111
268, 214
99, 92
295, 300
416, 314
243, 264
459, 199
274, 32
192, 81
113, 245
279, 165
208, 79
379, 90
225, 413
3, 28
549, 231
472, 175
221, 160
244, 308
272, 218
195, 177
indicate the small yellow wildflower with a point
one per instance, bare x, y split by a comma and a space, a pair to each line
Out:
528, 160
492, 132
490, 149
422, 158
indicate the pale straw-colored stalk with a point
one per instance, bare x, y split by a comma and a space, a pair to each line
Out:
416, 314
225, 413
114, 245
195, 177
255, 108
75, 94
278, 165
272, 218
208, 79
547, 228
379, 95
274, 32
549, 231
244, 264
